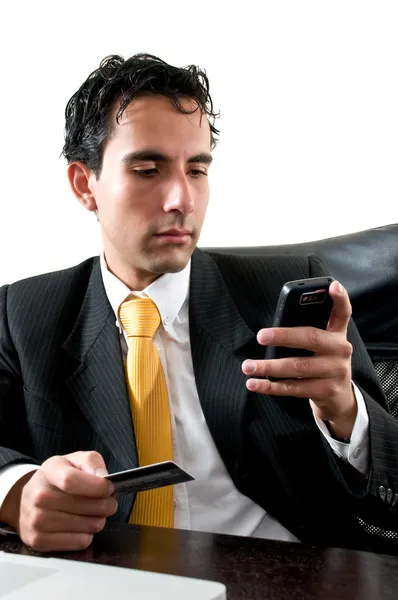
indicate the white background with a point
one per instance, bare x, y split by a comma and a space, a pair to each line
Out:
308, 92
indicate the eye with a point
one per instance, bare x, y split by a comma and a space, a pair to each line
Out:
146, 173
196, 173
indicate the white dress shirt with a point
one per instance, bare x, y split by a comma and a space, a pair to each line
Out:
211, 502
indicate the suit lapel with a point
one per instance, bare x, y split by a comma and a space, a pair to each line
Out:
98, 384
220, 339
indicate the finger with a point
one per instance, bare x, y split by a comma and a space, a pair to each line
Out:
309, 338
64, 476
90, 462
51, 498
54, 521
78, 505
303, 367
299, 388
56, 542
341, 312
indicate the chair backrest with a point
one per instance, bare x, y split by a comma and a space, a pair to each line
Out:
366, 263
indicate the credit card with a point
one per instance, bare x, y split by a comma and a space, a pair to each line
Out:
148, 477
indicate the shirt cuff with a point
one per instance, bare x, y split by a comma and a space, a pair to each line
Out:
356, 452
9, 476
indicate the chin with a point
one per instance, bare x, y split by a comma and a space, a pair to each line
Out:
171, 264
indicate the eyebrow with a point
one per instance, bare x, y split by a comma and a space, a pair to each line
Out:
155, 156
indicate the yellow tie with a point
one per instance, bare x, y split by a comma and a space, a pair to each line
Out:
149, 407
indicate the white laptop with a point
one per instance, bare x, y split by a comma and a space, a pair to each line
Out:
37, 578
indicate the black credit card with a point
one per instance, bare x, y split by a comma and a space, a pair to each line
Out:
148, 477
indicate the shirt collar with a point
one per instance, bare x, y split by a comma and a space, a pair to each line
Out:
168, 292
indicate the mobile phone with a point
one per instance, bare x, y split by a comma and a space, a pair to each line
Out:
148, 477
301, 303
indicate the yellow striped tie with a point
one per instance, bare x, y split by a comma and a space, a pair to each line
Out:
149, 407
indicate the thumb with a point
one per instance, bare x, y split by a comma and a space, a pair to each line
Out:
89, 462
341, 312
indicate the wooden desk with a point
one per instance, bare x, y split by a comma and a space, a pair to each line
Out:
250, 568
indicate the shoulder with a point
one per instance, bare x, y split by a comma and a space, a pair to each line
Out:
48, 291
55, 278
255, 281
258, 269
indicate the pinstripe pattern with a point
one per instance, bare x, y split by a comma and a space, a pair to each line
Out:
62, 388
277, 437
64, 347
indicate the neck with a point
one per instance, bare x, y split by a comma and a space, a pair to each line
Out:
134, 279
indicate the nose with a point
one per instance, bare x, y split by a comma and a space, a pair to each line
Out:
179, 196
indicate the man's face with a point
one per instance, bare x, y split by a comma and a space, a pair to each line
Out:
153, 191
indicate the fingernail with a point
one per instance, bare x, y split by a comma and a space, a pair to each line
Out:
251, 385
100, 472
266, 335
111, 488
249, 366
340, 289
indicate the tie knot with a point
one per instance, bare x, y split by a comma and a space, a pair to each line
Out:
139, 317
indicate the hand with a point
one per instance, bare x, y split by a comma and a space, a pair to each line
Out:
63, 503
324, 377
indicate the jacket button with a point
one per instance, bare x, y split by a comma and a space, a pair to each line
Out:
382, 493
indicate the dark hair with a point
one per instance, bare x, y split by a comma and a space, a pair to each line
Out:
87, 122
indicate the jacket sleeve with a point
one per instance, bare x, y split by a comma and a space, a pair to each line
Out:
378, 496
14, 431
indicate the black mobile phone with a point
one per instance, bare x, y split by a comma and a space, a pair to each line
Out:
301, 303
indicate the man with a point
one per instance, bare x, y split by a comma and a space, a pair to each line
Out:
267, 461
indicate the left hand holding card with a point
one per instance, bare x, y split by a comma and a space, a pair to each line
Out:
148, 477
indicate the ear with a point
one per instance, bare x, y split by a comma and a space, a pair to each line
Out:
81, 181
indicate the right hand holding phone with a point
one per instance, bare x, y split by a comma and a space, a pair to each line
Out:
60, 506
324, 377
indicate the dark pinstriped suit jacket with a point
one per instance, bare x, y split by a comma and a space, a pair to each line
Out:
62, 389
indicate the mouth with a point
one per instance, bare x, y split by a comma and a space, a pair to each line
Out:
174, 236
